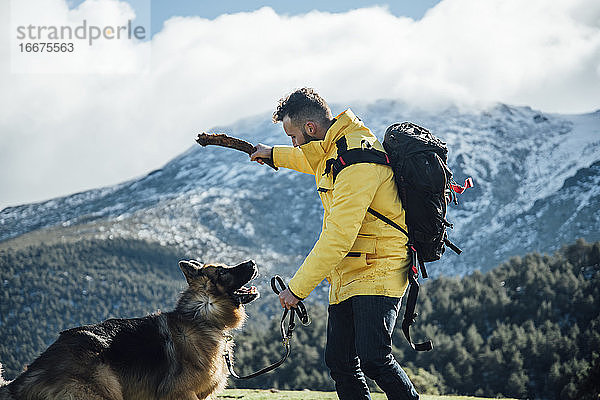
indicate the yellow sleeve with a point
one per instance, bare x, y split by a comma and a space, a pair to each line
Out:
353, 193
292, 158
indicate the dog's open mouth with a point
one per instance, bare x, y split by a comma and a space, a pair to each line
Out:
247, 271
245, 295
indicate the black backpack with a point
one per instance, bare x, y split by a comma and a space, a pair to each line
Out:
425, 186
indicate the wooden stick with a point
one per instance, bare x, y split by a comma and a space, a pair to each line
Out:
221, 139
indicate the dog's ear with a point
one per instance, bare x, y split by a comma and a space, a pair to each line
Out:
190, 270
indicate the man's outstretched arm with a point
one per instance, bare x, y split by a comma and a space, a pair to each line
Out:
282, 156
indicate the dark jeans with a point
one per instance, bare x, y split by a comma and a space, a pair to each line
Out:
359, 340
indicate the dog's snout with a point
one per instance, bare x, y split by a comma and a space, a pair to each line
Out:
248, 270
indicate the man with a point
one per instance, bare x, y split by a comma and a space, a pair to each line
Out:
364, 259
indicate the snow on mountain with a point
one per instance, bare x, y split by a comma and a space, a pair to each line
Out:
536, 187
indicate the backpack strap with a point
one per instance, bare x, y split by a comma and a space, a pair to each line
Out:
411, 302
413, 292
347, 157
387, 221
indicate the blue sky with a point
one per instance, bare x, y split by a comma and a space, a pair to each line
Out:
161, 10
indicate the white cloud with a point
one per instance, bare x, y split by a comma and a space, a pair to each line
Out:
61, 133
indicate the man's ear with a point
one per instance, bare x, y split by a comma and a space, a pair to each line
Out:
311, 128
190, 270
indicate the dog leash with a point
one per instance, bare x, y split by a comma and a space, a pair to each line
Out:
278, 286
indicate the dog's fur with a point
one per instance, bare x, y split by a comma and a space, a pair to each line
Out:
173, 355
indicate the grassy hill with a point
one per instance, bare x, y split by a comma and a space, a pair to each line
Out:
256, 394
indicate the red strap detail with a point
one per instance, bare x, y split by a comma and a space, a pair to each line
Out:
414, 270
342, 161
387, 159
459, 189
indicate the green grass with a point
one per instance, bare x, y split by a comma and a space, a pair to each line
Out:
255, 394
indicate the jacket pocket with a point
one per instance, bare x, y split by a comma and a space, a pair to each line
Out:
354, 265
364, 244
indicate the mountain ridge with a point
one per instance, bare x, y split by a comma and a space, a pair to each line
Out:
536, 186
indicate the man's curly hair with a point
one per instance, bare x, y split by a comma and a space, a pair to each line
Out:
303, 105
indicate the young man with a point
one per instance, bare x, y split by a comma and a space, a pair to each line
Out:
364, 259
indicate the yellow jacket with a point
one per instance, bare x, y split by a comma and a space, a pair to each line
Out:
357, 253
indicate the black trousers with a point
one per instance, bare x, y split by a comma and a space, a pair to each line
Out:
359, 343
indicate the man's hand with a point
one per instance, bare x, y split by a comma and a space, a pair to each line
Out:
262, 152
287, 299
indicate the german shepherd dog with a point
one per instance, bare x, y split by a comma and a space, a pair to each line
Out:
173, 355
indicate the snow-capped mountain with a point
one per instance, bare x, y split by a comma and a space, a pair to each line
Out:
536, 181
